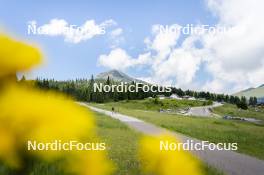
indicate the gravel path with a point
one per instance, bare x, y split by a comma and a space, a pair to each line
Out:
230, 162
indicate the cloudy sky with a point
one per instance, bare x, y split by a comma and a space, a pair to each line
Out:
222, 61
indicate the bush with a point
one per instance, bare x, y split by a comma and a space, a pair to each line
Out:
242, 105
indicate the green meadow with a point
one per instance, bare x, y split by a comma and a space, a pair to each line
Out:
232, 110
121, 143
156, 104
249, 136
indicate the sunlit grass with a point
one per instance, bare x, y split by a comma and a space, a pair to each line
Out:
249, 136
157, 104
123, 144
232, 110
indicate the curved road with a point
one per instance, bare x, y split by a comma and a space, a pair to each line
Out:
204, 111
230, 162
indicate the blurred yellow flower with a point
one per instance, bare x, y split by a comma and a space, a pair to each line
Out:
28, 114
42, 116
7, 147
90, 163
16, 56
166, 162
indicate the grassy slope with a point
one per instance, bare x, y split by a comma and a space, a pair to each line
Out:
149, 104
249, 137
256, 92
228, 109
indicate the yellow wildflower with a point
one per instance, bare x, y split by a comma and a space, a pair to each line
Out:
42, 116
90, 163
7, 147
28, 114
16, 56
166, 162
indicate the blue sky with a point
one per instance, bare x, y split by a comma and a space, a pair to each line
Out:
67, 60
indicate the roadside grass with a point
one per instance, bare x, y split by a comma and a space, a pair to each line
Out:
249, 136
37, 168
232, 110
121, 143
157, 104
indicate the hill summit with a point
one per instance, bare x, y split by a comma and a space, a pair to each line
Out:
252, 92
117, 75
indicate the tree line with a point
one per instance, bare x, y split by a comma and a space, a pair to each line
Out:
82, 90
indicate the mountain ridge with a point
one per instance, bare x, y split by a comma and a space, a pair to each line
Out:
252, 92
117, 75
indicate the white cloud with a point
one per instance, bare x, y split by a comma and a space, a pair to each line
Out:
236, 57
116, 59
119, 59
73, 33
116, 32
233, 60
214, 86
116, 37
173, 65
163, 42
169, 65
108, 22
181, 65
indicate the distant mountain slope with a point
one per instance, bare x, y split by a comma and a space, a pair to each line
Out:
252, 92
118, 76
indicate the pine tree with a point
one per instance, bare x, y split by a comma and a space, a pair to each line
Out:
251, 101
92, 96
23, 79
108, 80
243, 103
255, 101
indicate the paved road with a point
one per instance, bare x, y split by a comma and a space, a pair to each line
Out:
203, 111
231, 163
